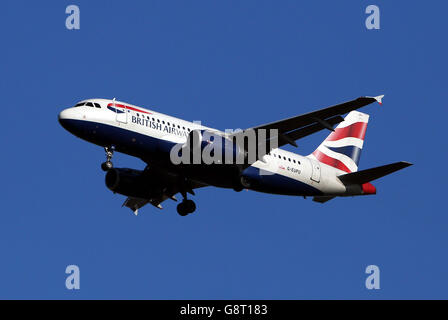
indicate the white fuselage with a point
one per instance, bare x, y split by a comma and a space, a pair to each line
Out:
135, 129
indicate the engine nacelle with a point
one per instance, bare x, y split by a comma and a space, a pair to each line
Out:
129, 182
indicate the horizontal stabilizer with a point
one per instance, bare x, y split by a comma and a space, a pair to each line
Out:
364, 176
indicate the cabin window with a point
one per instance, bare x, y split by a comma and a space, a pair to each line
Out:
178, 126
158, 120
284, 158
163, 122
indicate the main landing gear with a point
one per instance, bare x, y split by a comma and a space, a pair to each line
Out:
186, 207
108, 164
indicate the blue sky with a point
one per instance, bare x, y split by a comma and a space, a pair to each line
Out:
229, 64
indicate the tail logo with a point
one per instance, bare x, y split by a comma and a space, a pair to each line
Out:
342, 148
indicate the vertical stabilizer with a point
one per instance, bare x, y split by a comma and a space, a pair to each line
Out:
342, 148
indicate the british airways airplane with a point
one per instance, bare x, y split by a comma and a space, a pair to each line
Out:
330, 171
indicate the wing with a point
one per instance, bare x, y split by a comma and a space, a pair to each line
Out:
134, 204
292, 129
169, 185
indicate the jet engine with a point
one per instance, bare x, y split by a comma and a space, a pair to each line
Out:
129, 182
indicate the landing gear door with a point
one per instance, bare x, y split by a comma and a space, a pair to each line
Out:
315, 170
122, 113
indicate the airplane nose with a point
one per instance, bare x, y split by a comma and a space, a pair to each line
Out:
63, 118
63, 115
68, 118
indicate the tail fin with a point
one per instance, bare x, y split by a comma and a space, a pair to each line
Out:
342, 148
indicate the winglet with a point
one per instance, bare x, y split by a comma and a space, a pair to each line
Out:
379, 98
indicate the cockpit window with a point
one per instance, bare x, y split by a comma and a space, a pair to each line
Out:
89, 104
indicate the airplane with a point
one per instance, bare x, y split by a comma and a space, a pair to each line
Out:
328, 172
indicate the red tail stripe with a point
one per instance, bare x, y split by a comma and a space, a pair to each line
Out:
355, 130
322, 157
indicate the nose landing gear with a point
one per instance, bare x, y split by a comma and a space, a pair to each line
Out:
105, 166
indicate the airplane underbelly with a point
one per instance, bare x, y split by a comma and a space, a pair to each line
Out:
262, 181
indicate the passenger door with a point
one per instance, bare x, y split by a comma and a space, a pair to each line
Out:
122, 113
315, 170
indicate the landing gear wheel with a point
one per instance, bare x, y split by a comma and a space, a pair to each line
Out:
186, 207
191, 206
181, 209
109, 154
106, 166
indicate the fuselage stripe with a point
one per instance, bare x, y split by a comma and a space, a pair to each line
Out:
126, 107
